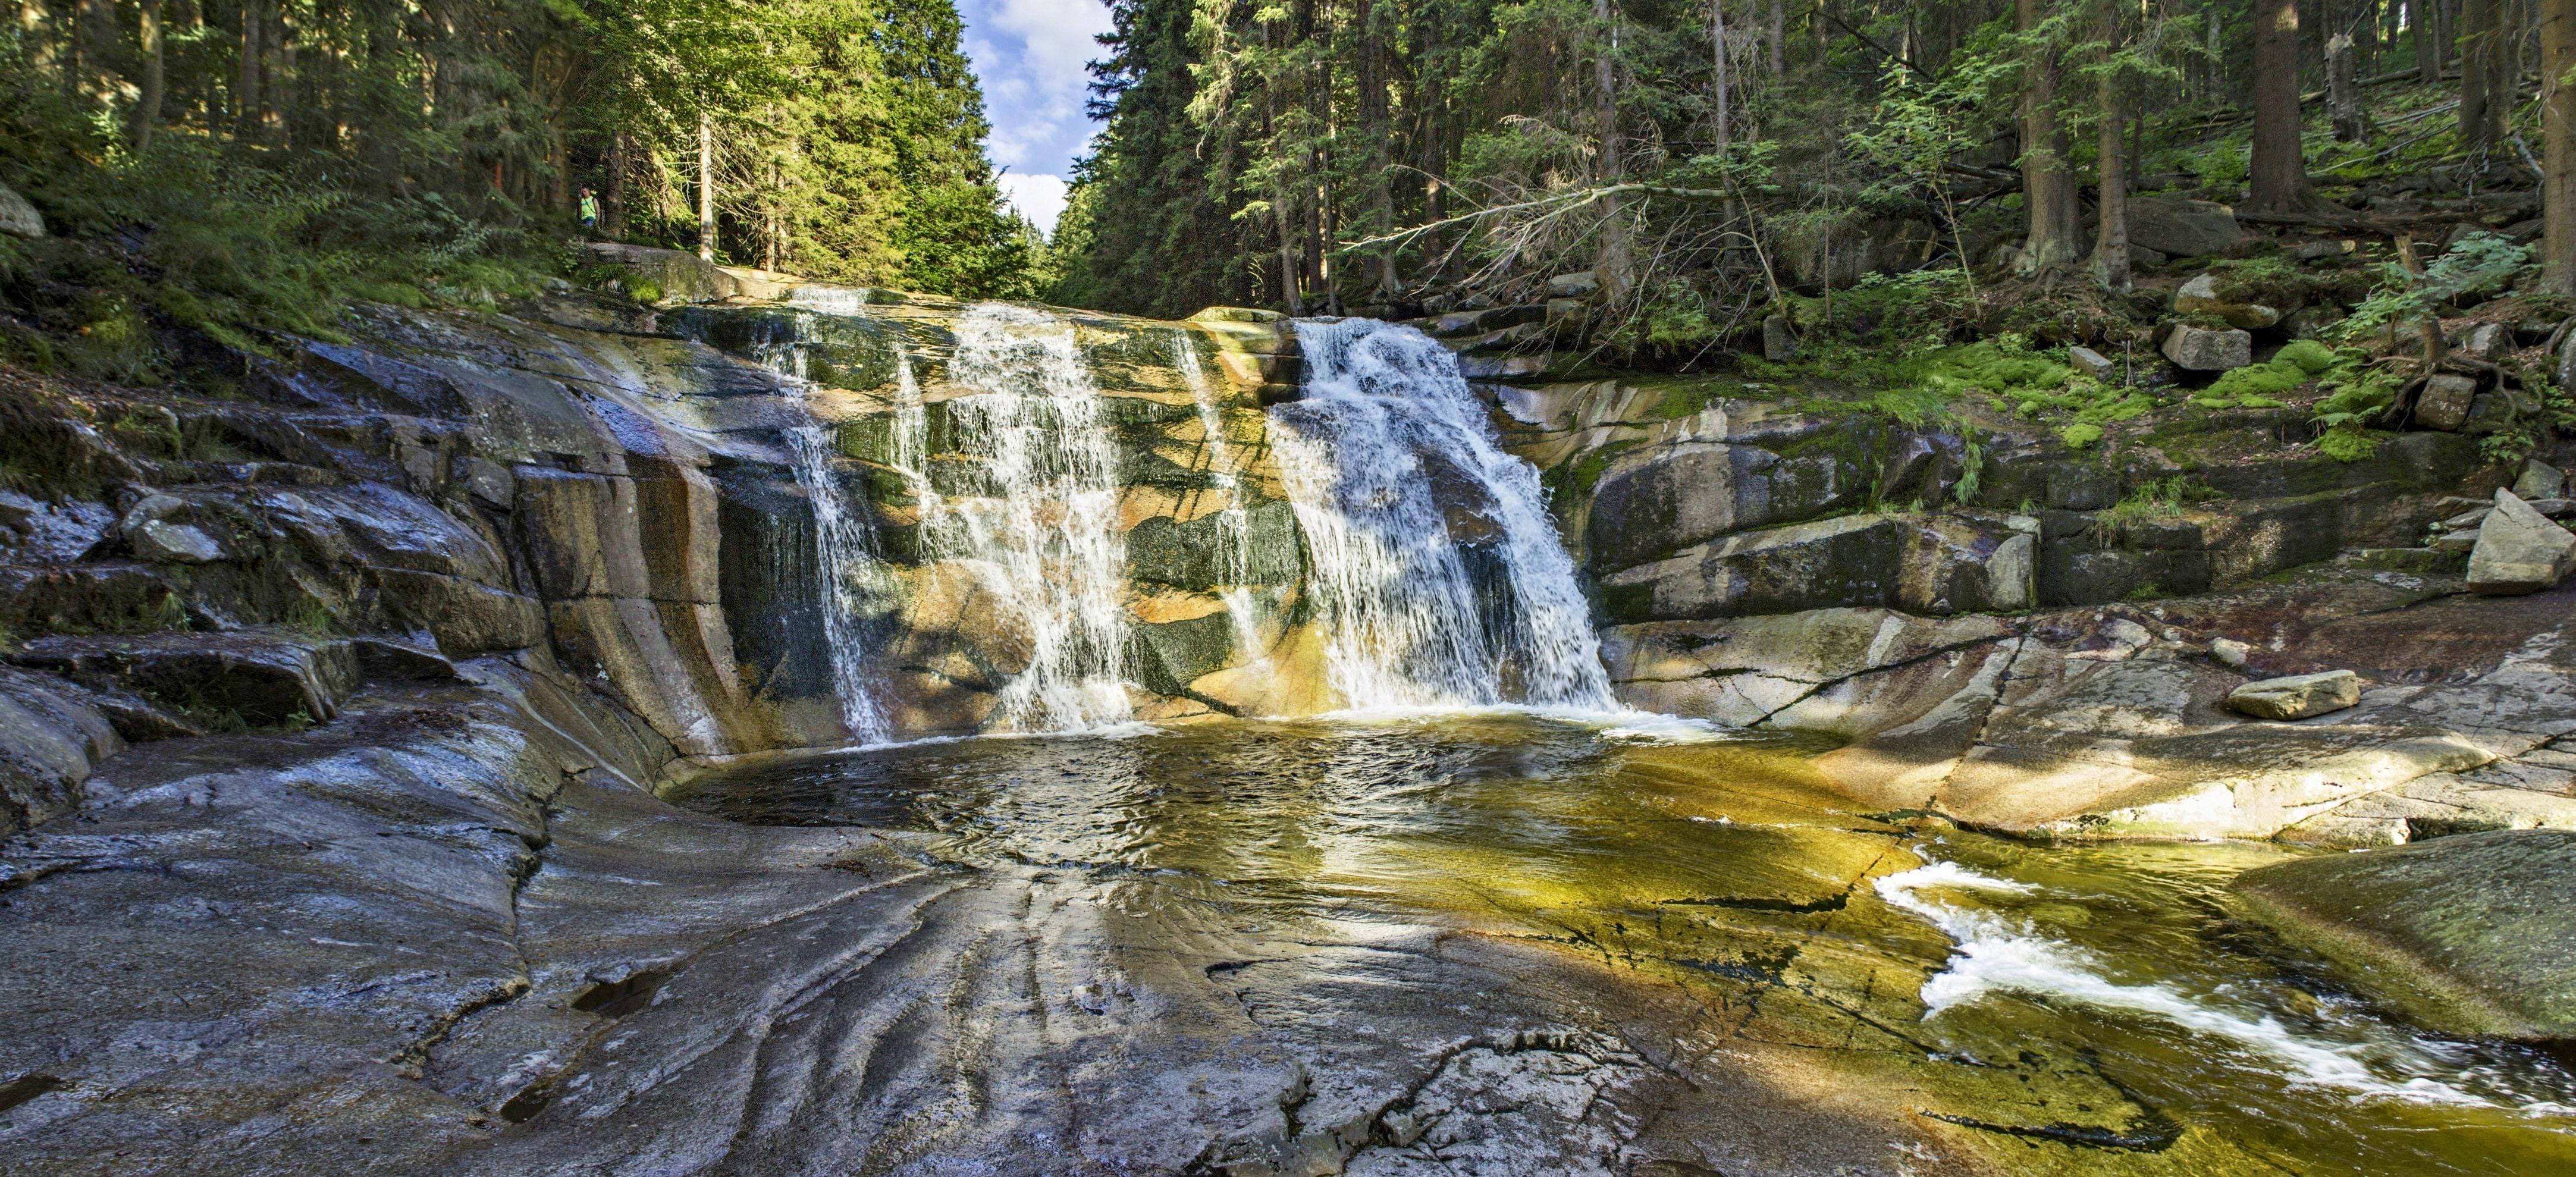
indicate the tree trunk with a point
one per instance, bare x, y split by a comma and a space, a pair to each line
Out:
1779, 38
612, 212
706, 186
2558, 119
1717, 60
147, 104
2278, 174
2432, 39
2486, 85
2111, 241
1613, 265
2048, 189
2343, 89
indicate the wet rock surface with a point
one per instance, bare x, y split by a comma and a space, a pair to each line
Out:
2470, 933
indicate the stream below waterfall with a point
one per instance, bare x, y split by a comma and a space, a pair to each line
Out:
2074, 1009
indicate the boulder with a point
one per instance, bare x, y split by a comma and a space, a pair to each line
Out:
2488, 341
17, 217
2539, 480
2198, 349
2303, 696
2200, 297
2445, 402
2519, 550
1583, 284
2471, 935
2229, 652
1778, 342
1657, 502
2319, 251
2143, 258
2092, 363
2311, 322
2183, 228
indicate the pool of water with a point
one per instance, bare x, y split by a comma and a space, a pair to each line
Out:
2077, 1008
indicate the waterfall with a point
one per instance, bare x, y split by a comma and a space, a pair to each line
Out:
846, 560
850, 577
1040, 529
1234, 527
1433, 565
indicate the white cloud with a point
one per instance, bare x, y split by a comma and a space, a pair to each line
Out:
1039, 198
1031, 56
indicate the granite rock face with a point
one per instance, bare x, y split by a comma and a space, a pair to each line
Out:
2472, 935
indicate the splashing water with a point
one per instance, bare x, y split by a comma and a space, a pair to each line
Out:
1042, 533
1998, 954
1433, 564
1234, 527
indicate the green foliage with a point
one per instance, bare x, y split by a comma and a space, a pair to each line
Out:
2160, 498
2481, 264
2310, 356
2349, 445
2080, 435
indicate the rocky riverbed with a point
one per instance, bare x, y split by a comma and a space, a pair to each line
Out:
347, 683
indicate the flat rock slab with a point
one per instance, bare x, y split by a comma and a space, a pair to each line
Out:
2473, 935
2302, 696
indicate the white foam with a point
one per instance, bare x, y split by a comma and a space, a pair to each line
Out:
1997, 953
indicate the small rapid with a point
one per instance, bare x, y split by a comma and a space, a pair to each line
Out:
1998, 954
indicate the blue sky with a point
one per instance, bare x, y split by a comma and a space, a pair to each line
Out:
1029, 55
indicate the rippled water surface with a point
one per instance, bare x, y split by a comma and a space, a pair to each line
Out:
2072, 1009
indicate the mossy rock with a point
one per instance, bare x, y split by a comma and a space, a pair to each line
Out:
2471, 935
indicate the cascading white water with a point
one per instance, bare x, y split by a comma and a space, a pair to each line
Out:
851, 578
1384, 432
1234, 527
1041, 532
846, 559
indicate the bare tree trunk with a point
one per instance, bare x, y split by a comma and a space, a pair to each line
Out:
1717, 60
2486, 86
2343, 89
1779, 39
2277, 178
1614, 265
2048, 189
147, 104
2558, 117
2111, 241
706, 186
612, 212
2432, 39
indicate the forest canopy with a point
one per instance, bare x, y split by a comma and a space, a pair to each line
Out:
313, 147
1699, 161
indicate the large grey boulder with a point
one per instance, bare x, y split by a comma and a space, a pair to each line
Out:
2303, 696
2519, 550
2472, 935
2183, 228
2445, 402
17, 217
2200, 297
2198, 349
1824, 564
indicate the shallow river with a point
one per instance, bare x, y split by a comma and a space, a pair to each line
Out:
2038, 1009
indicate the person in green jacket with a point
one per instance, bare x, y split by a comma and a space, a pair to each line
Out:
589, 210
